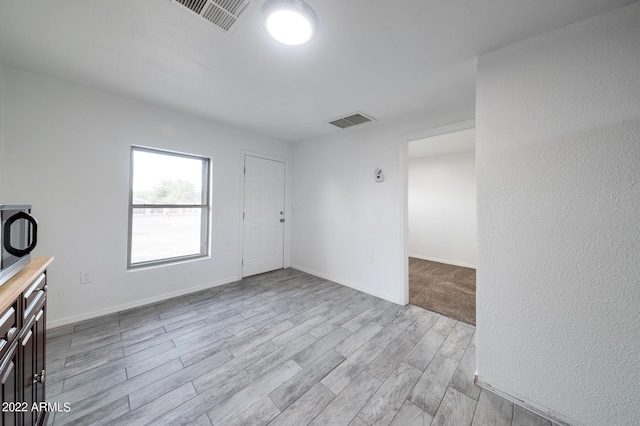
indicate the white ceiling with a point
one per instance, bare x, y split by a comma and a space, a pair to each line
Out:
445, 144
383, 58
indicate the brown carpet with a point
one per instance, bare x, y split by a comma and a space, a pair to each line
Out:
446, 289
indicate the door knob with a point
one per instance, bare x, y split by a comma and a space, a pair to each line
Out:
38, 378
281, 220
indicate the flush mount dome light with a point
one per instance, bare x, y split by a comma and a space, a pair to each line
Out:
290, 22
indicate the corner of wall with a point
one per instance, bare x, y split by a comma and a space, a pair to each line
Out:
76, 126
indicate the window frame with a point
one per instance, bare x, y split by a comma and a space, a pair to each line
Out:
205, 229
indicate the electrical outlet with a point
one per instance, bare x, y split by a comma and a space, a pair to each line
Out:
86, 277
370, 258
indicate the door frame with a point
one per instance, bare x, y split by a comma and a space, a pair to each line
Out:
404, 208
287, 206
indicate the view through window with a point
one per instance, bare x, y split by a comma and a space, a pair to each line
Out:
169, 207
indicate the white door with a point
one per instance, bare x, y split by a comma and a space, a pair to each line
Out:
263, 237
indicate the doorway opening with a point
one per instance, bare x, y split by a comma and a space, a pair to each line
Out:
441, 217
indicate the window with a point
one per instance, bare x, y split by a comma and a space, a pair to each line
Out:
168, 207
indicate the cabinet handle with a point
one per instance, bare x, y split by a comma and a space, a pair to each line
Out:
11, 333
38, 378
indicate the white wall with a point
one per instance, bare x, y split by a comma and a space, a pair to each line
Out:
2, 78
442, 209
340, 215
558, 155
66, 152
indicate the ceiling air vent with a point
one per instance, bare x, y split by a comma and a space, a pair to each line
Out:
222, 13
351, 120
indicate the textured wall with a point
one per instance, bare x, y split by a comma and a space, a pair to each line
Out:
442, 209
558, 155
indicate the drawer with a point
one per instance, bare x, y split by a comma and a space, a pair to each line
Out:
33, 293
8, 326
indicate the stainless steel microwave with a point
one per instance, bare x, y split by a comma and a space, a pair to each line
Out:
18, 238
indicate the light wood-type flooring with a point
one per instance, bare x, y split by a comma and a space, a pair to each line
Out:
283, 348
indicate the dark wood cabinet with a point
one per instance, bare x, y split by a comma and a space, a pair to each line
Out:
27, 343
23, 303
10, 386
40, 353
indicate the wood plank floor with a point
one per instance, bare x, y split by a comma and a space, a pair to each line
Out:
283, 348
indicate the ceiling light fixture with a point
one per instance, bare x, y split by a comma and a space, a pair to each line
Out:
290, 22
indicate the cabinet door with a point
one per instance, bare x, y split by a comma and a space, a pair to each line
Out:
9, 376
30, 374
39, 360
32, 343
28, 343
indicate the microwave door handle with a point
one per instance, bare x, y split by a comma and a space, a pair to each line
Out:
7, 234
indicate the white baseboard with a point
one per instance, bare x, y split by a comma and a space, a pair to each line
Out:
136, 304
448, 262
554, 417
349, 284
